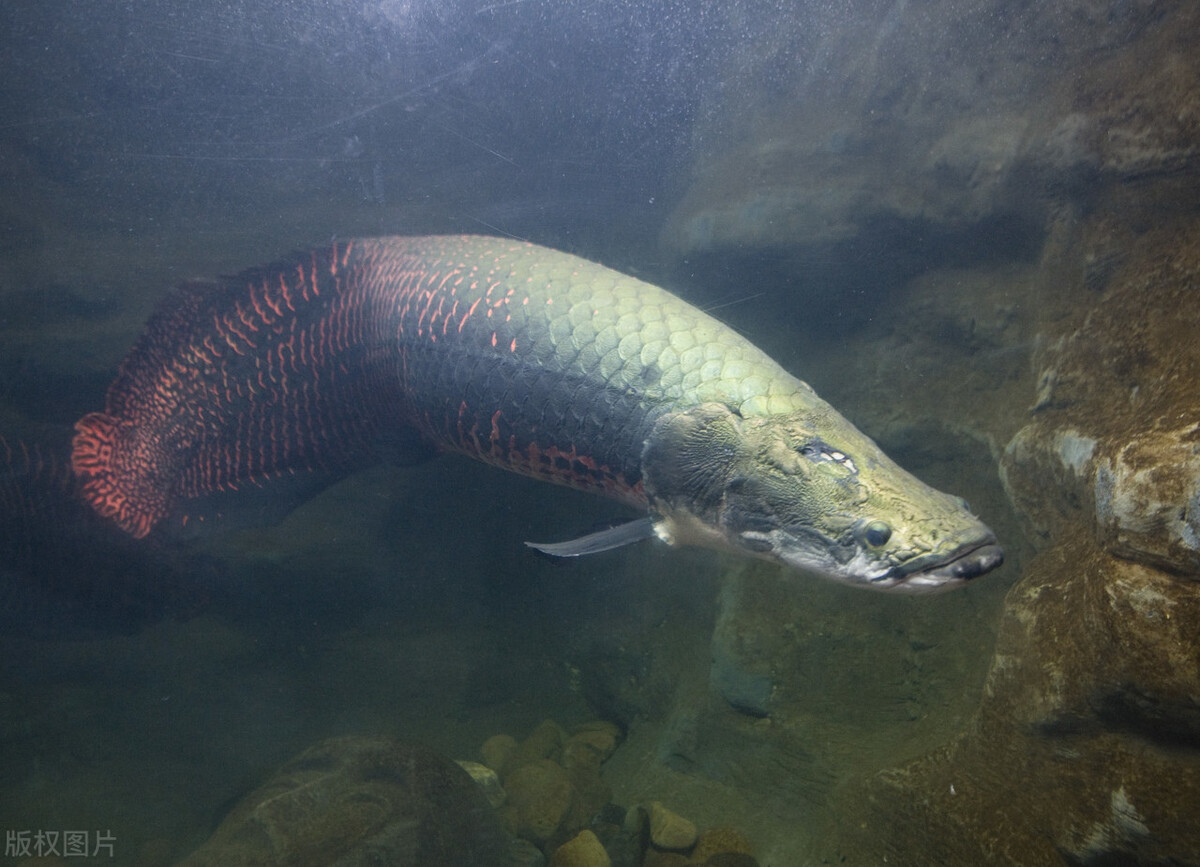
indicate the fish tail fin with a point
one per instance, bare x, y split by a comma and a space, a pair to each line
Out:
117, 471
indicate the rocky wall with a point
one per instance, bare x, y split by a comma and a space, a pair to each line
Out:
995, 211
1084, 747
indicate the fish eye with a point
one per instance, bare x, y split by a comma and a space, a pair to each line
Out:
877, 534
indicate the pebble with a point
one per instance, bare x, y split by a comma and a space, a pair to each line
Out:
719, 840
669, 830
539, 796
522, 853
590, 748
488, 781
496, 750
582, 850
544, 742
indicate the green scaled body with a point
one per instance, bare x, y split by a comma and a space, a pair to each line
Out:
523, 357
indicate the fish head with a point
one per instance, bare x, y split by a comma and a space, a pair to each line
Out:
810, 491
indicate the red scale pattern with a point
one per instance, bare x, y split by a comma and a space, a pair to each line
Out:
308, 368
232, 385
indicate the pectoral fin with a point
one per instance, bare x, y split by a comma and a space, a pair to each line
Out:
604, 540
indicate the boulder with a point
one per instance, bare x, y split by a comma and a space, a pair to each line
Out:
1086, 745
1113, 441
359, 801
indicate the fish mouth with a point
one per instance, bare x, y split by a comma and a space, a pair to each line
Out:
963, 565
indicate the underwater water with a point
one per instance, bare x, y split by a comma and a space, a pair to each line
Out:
929, 212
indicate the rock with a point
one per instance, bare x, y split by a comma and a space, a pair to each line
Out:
813, 154
611, 814
715, 841
359, 800
637, 822
583, 753
592, 793
582, 850
1148, 499
1140, 491
547, 801
1114, 440
488, 782
496, 751
540, 796
1094, 643
598, 726
1093, 690
544, 742
590, 745
522, 853
669, 830
624, 849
